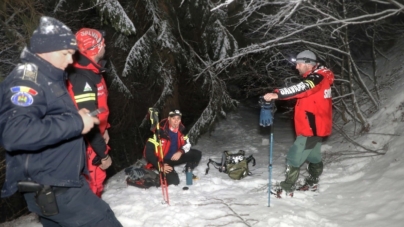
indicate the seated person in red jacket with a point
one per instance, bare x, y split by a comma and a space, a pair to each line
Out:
175, 147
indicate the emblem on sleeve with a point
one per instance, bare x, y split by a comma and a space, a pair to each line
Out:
23, 96
30, 72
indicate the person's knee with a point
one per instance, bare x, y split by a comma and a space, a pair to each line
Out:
297, 154
294, 157
198, 156
172, 178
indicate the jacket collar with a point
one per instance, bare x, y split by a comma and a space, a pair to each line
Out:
84, 62
311, 71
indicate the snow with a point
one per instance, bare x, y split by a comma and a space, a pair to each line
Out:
355, 190
117, 16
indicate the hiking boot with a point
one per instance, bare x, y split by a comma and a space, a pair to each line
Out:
292, 174
277, 191
308, 187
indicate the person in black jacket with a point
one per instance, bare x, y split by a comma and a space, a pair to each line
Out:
88, 89
41, 130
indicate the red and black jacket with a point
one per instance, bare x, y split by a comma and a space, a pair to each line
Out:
313, 110
152, 147
88, 89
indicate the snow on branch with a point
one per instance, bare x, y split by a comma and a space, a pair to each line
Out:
139, 55
222, 41
58, 5
287, 27
221, 5
122, 41
166, 38
219, 102
117, 83
168, 83
152, 8
112, 11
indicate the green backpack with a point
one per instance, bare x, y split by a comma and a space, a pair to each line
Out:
235, 165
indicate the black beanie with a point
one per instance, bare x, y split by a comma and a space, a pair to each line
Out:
52, 35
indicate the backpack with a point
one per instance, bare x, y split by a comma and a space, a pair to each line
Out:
137, 175
235, 165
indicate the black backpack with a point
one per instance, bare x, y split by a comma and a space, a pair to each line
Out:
137, 175
235, 165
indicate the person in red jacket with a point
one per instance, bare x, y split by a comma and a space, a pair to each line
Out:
88, 89
313, 120
175, 146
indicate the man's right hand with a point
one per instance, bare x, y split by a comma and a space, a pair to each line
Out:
106, 162
87, 120
167, 168
269, 96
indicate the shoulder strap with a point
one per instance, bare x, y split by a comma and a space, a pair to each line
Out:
251, 158
221, 166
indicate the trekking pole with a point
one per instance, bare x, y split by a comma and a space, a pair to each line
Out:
270, 161
163, 180
266, 119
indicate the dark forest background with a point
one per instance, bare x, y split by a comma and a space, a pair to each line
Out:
206, 57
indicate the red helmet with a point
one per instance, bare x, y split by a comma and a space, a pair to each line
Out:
89, 41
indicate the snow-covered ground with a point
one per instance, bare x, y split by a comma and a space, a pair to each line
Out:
361, 191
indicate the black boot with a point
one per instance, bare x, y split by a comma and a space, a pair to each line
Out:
311, 182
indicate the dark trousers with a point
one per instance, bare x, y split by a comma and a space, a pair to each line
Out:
191, 158
78, 207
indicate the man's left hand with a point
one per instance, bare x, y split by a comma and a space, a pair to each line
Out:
270, 96
176, 156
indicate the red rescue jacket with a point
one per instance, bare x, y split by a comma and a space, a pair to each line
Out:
313, 109
88, 89
165, 141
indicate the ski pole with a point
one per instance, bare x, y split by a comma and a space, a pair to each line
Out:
270, 161
163, 180
270, 155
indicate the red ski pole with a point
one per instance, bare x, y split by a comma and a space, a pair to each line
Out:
153, 112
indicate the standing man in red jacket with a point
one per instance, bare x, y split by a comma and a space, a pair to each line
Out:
88, 89
313, 120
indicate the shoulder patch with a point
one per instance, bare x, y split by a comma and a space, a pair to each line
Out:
30, 72
23, 96
87, 87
